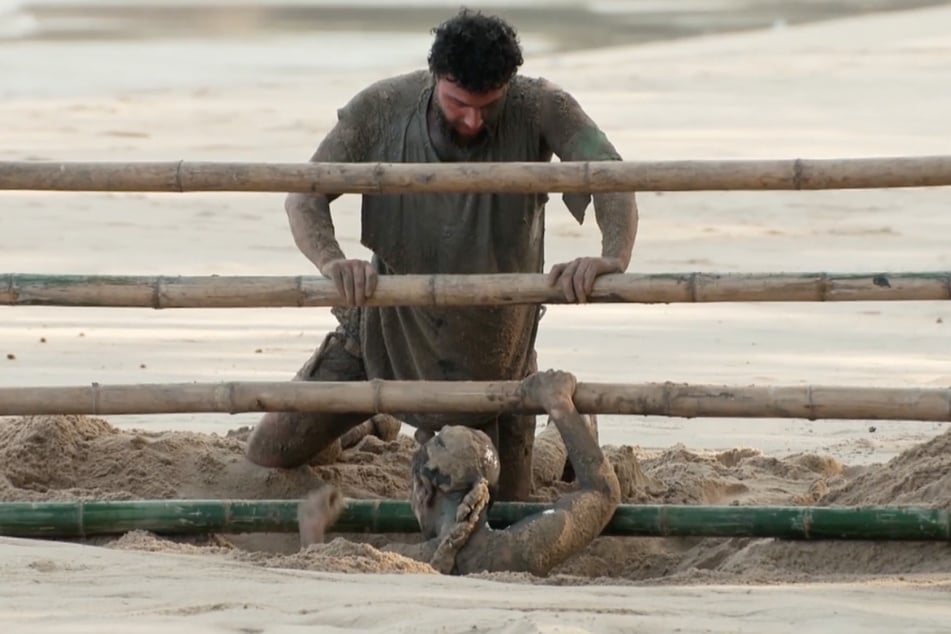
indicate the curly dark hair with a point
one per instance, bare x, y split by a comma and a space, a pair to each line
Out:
478, 52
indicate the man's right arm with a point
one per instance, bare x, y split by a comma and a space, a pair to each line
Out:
312, 225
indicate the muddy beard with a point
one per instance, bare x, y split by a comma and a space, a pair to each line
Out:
447, 134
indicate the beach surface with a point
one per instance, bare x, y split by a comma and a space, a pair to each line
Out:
870, 85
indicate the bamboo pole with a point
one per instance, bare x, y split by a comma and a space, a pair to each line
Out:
465, 290
396, 397
372, 178
183, 517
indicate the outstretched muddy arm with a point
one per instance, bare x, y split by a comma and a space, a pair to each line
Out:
540, 542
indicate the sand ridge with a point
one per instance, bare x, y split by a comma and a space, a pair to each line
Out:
77, 457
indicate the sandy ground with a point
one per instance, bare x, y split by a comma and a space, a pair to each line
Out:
184, 593
857, 87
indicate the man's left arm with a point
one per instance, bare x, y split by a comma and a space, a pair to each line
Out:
574, 136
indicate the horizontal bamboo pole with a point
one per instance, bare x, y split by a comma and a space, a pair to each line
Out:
396, 397
465, 290
371, 178
183, 517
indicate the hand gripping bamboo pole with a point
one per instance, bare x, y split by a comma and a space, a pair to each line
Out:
373, 178
462, 290
396, 397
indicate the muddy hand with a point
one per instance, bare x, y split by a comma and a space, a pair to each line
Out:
577, 277
551, 388
355, 279
316, 513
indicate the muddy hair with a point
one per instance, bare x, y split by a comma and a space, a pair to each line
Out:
479, 53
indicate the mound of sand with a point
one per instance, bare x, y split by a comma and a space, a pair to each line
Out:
340, 555
75, 457
920, 476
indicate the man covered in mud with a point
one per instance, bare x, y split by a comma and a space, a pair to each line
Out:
470, 105
453, 476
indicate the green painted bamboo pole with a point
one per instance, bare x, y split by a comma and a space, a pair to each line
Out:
458, 290
182, 517
516, 177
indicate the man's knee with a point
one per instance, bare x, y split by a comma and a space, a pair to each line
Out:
285, 440
290, 439
266, 444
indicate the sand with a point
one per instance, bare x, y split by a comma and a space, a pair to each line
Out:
75, 457
254, 583
851, 87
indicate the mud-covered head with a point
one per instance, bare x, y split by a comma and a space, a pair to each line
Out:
473, 59
450, 465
